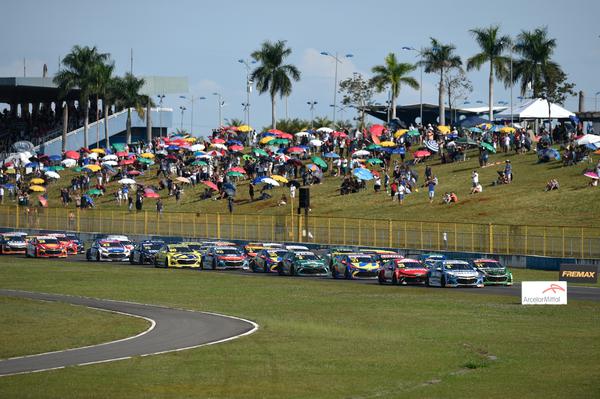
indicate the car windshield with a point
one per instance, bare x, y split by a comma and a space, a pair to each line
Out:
126, 243
195, 247
181, 249
47, 240
489, 264
110, 245
457, 266
307, 257
154, 246
409, 265
72, 238
360, 259
14, 238
227, 251
276, 254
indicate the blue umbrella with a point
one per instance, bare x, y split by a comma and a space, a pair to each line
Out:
199, 154
229, 186
258, 180
9, 185
32, 165
331, 155
55, 158
363, 174
173, 148
432, 145
232, 142
267, 134
399, 151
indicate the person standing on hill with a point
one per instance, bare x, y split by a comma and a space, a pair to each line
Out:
508, 171
431, 187
474, 179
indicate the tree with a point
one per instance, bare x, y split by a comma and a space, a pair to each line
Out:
78, 74
492, 47
535, 49
104, 88
394, 75
358, 93
272, 75
129, 96
439, 58
458, 87
556, 89
234, 122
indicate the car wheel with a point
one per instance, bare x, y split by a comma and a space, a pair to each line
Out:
155, 262
214, 264
347, 274
334, 273
443, 282
98, 257
394, 279
292, 271
87, 255
280, 270
381, 278
131, 259
166, 263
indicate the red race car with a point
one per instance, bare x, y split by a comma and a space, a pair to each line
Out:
70, 245
45, 247
403, 271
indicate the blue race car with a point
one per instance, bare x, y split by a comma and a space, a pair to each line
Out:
145, 251
454, 273
429, 259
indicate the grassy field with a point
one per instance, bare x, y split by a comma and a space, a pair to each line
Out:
523, 202
326, 339
30, 327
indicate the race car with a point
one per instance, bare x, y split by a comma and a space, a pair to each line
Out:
144, 252
303, 263
494, 273
76, 240
267, 260
177, 255
454, 273
104, 250
206, 245
297, 248
124, 240
195, 246
333, 252
13, 243
70, 245
381, 255
403, 271
352, 266
429, 259
252, 248
45, 247
225, 258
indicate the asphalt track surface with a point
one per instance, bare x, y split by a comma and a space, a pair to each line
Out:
170, 330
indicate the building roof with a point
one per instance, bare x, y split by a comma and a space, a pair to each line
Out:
31, 90
537, 108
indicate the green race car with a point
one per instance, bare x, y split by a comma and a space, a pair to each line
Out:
303, 264
494, 273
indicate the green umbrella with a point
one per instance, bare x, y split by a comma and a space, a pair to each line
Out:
413, 133
466, 140
199, 163
145, 161
248, 158
118, 147
260, 152
488, 147
94, 191
235, 174
475, 130
374, 161
55, 168
279, 141
78, 169
373, 147
319, 161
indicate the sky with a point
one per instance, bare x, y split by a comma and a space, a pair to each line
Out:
203, 41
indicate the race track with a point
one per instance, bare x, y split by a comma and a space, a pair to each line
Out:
170, 330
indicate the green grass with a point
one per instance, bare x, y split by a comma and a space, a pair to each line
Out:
30, 327
542, 275
523, 202
326, 339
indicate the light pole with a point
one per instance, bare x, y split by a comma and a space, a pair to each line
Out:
420, 54
220, 104
247, 64
161, 98
341, 109
596, 101
182, 108
337, 61
192, 99
312, 104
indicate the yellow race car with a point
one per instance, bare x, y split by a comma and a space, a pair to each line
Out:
177, 255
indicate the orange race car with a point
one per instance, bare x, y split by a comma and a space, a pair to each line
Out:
45, 247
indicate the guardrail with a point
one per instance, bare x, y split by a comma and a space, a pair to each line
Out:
498, 239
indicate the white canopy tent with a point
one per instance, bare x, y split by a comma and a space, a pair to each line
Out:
537, 108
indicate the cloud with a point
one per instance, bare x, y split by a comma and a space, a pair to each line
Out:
316, 65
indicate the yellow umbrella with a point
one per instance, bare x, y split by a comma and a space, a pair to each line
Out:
37, 188
444, 129
400, 132
93, 168
190, 139
148, 155
507, 129
279, 178
99, 151
244, 128
37, 180
10, 171
387, 144
485, 125
266, 139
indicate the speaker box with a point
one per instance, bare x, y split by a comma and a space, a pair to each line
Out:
304, 197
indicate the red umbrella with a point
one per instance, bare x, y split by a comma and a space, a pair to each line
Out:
134, 172
421, 154
122, 154
72, 155
218, 141
86, 150
275, 131
339, 134
376, 129
285, 135
237, 169
295, 150
151, 194
126, 162
236, 148
211, 185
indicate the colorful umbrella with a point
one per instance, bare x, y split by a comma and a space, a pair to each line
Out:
507, 129
270, 181
127, 162
235, 174
591, 175
244, 128
217, 141
331, 155
488, 147
377, 130
444, 129
72, 155
266, 139
183, 179
151, 194
98, 151
279, 178
248, 158
94, 191
319, 161
421, 154
126, 181
413, 132
361, 153
37, 180
279, 141
52, 174
400, 132
260, 152
316, 142
134, 172
312, 167
432, 145
93, 168
325, 130
147, 155
475, 130
145, 161
284, 135
295, 150
37, 188
236, 148
374, 161
199, 163
387, 144
210, 185
373, 147
363, 174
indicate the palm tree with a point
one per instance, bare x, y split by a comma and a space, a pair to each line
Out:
536, 49
129, 97
78, 73
272, 75
393, 74
103, 86
439, 58
492, 46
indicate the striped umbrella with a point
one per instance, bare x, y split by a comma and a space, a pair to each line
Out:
432, 145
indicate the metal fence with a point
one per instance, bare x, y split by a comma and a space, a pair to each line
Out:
554, 241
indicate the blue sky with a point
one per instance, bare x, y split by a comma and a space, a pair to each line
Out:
203, 41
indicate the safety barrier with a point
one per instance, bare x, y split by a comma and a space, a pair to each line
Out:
499, 239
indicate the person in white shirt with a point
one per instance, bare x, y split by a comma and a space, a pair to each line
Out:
293, 191
474, 178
